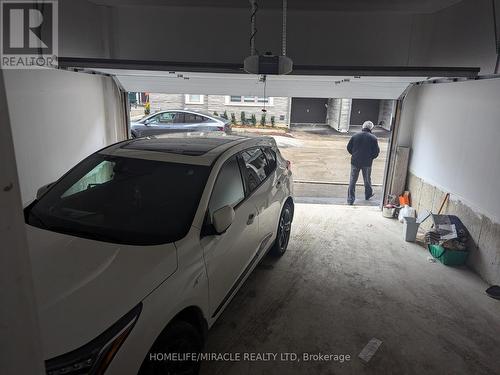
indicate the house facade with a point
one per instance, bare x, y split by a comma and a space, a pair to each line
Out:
337, 113
279, 107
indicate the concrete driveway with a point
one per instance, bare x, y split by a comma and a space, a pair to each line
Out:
346, 278
321, 156
321, 165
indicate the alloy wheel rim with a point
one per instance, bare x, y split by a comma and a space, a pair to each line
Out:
285, 227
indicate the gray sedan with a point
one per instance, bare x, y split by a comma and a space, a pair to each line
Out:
178, 121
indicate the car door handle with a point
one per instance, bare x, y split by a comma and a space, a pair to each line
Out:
251, 218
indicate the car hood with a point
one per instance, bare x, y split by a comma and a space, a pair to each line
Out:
83, 286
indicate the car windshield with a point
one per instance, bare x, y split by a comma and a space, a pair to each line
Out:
122, 200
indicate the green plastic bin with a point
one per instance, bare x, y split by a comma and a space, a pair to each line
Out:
448, 257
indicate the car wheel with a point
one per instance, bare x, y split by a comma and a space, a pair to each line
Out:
284, 227
179, 339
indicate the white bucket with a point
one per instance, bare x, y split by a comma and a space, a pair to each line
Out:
388, 212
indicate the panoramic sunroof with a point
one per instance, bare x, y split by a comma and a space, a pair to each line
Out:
183, 146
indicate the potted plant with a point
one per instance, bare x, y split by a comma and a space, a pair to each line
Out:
215, 113
243, 118
233, 119
224, 115
273, 121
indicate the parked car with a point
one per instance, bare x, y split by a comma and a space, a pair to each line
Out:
178, 121
138, 249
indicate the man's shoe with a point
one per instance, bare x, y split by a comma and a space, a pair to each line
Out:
350, 203
371, 196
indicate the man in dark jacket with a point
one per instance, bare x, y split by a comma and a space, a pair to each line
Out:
363, 148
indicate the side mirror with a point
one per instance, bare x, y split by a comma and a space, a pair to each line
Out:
41, 191
223, 218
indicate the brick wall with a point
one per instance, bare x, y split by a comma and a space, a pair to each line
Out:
161, 102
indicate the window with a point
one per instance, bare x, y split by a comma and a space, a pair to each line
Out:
133, 201
248, 100
228, 188
271, 160
254, 170
192, 118
194, 99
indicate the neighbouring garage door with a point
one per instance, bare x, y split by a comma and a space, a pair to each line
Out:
308, 110
364, 110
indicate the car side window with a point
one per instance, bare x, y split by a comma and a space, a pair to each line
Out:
228, 189
271, 160
178, 117
254, 167
193, 118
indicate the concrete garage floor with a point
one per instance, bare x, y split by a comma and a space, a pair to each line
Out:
348, 277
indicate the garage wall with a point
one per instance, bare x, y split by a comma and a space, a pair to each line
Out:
453, 131
57, 119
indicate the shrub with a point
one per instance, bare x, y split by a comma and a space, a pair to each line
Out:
263, 119
243, 118
273, 120
147, 108
215, 113
224, 115
254, 119
233, 119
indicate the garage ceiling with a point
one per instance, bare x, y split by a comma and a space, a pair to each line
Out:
404, 6
317, 86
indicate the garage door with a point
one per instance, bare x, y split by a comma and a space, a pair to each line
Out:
309, 110
363, 110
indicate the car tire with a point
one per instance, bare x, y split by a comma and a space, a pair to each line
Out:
179, 337
283, 234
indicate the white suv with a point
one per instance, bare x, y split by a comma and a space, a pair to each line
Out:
138, 249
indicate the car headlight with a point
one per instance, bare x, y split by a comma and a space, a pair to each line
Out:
94, 357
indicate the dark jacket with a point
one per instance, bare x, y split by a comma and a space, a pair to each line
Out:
364, 148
